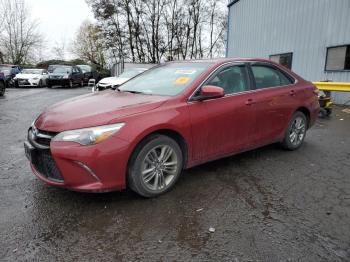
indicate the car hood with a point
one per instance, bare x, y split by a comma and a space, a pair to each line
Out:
113, 80
95, 109
28, 76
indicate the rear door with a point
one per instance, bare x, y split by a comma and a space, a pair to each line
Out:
223, 125
274, 101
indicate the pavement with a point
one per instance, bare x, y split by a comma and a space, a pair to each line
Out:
263, 205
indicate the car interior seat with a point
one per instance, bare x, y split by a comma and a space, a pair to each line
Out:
269, 81
231, 82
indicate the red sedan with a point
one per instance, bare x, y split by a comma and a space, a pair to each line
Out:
174, 116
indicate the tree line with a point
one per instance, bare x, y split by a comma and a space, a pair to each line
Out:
133, 30
152, 30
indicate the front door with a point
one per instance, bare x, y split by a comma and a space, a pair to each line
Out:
223, 125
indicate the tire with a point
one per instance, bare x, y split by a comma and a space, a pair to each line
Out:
296, 132
40, 84
49, 86
150, 174
2, 88
82, 83
71, 84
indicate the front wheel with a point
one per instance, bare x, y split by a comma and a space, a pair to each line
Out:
155, 166
296, 131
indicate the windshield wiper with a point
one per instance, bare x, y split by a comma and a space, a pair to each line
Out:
132, 91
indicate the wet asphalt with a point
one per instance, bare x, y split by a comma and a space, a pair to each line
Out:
264, 205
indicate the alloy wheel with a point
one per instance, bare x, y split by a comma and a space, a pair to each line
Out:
159, 168
297, 131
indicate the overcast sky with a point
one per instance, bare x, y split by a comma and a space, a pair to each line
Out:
59, 20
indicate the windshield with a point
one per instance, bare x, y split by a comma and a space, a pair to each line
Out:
85, 68
131, 73
169, 79
32, 71
62, 70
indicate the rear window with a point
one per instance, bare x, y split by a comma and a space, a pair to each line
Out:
266, 76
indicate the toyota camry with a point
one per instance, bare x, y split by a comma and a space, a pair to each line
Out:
174, 116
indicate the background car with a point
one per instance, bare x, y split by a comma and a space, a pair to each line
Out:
9, 71
115, 81
2, 84
89, 72
52, 67
31, 78
64, 75
174, 116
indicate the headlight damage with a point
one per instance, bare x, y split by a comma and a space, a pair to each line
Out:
89, 136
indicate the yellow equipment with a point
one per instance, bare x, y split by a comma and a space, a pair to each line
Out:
325, 98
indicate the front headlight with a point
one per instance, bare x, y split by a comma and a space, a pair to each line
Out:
65, 77
89, 136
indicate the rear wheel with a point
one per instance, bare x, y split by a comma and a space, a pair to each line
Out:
155, 166
296, 131
2, 88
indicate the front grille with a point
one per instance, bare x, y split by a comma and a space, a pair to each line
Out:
42, 158
23, 81
45, 164
40, 137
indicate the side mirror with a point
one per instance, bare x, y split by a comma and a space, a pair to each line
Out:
209, 92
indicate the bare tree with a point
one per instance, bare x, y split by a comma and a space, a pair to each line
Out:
151, 30
59, 49
88, 44
19, 37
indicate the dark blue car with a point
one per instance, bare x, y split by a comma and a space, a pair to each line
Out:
2, 84
9, 72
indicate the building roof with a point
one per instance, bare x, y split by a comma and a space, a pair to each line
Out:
232, 2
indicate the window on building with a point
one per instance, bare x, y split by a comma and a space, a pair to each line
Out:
338, 58
266, 76
283, 59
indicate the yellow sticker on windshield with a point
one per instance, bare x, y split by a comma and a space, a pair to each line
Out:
182, 80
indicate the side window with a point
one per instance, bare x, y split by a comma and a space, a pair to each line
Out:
266, 76
232, 79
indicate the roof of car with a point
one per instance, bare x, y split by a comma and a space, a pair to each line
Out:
222, 60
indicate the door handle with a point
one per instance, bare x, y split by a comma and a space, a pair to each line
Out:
292, 93
249, 102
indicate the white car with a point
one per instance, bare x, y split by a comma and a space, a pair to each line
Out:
32, 78
115, 81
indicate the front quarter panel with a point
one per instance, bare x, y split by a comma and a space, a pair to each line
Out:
173, 116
